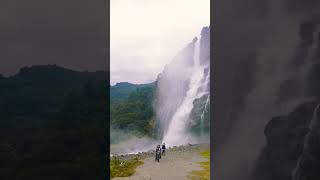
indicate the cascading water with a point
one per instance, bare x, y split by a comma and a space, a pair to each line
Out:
178, 132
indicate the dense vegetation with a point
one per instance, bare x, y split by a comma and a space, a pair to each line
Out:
135, 112
53, 124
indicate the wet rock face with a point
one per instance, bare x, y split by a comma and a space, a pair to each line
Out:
304, 67
307, 167
200, 116
292, 151
309, 162
287, 142
205, 46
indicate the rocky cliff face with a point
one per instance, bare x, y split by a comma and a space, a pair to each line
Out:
200, 114
292, 151
205, 45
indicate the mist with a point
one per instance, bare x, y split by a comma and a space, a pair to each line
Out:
130, 142
266, 47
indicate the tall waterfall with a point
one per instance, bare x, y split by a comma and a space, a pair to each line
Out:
281, 70
177, 131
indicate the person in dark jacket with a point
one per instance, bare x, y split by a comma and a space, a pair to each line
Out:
163, 148
158, 154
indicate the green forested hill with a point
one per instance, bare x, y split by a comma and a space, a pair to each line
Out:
39, 91
135, 111
122, 90
53, 124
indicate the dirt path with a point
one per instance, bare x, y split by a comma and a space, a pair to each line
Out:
176, 165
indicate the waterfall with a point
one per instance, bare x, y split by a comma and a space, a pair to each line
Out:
178, 132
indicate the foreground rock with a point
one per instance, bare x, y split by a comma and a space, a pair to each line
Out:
293, 146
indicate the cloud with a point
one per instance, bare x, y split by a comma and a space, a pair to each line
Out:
147, 34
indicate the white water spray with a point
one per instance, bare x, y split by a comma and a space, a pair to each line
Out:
178, 133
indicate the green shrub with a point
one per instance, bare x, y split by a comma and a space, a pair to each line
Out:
123, 168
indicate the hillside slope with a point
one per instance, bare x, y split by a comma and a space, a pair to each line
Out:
53, 124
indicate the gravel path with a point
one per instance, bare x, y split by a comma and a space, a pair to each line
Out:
176, 165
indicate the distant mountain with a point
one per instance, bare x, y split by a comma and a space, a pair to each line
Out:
122, 90
43, 86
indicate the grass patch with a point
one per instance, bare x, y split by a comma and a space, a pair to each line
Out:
206, 154
123, 168
203, 174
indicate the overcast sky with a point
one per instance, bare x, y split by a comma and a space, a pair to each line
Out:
69, 33
147, 34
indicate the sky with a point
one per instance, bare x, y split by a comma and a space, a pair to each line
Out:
145, 35
68, 33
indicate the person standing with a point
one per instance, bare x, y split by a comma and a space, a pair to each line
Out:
163, 148
158, 154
